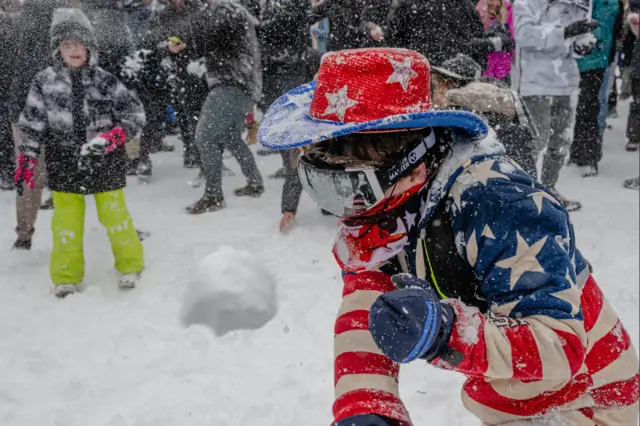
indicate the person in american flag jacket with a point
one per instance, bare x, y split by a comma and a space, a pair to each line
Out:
451, 254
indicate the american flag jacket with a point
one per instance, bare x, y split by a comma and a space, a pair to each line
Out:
548, 342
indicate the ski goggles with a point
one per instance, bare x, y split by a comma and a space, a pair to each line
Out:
350, 191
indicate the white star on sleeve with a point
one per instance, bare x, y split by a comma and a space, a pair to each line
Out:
339, 103
486, 232
537, 198
525, 259
482, 172
402, 72
472, 249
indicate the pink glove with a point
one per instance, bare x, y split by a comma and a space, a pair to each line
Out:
24, 171
104, 143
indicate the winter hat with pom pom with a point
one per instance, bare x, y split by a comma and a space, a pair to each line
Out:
72, 24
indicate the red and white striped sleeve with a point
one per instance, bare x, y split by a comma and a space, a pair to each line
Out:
366, 381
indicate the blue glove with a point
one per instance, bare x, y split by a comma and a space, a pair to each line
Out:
412, 322
364, 420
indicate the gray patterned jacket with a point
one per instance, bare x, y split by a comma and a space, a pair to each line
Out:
63, 112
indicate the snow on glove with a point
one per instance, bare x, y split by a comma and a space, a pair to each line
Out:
104, 143
579, 28
584, 44
494, 43
364, 420
25, 171
412, 322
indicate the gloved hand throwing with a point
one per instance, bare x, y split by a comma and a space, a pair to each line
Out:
25, 172
104, 143
99, 146
579, 28
411, 322
584, 44
496, 42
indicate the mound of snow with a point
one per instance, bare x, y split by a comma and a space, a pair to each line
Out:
232, 291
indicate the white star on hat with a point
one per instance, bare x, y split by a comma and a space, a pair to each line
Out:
339, 103
525, 259
402, 72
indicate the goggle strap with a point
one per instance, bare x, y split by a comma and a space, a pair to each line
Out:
409, 163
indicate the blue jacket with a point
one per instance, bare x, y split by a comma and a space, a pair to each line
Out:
605, 12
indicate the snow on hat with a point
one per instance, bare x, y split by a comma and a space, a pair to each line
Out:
461, 67
72, 24
361, 90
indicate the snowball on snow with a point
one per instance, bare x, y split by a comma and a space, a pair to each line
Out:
231, 291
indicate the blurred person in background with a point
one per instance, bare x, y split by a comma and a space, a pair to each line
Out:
457, 84
32, 44
586, 149
548, 38
9, 37
497, 18
234, 77
633, 125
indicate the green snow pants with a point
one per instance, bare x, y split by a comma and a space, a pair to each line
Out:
67, 224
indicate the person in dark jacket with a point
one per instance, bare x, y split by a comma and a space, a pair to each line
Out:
180, 69
439, 30
287, 63
353, 24
633, 124
586, 149
82, 115
7, 52
228, 36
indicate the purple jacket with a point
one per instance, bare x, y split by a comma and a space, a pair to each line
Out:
499, 65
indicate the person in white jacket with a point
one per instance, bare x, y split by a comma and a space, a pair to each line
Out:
549, 35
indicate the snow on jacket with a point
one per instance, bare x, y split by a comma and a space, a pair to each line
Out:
51, 114
499, 63
546, 341
438, 29
545, 60
605, 13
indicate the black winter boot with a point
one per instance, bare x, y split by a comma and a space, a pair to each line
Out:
632, 183
251, 190
207, 204
48, 204
279, 174
6, 183
22, 244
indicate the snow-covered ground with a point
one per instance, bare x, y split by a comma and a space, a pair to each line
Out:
106, 358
